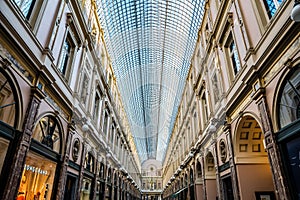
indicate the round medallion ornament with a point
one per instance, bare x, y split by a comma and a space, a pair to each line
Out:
223, 150
75, 150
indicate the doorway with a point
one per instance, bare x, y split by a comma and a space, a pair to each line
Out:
227, 188
70, 188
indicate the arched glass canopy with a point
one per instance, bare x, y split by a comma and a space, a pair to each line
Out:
151, 43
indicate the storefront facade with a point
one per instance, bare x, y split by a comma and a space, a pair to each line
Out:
60, 135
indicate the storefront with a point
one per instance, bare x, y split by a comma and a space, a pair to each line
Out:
37, 177
41, 168
9, 119
89, 177
101, 183
288, 136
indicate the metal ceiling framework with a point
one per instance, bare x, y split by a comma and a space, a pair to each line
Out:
151, 43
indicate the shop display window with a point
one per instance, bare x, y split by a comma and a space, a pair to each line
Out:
86, 189
37, 178
3, 149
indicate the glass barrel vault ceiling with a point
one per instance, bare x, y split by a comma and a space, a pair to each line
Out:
151, 43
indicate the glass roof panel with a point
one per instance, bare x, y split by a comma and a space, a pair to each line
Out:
151, 44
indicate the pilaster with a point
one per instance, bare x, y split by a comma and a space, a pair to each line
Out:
280, 184
215, 154
81, 171
64, 165
235, 188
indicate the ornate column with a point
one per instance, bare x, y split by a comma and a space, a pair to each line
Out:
64, 165
235, 188
115, 138
201, 160
96, 178
81, 171
102, 112
108, 128
99, 120
280, 184
107, 182
23, 144
215, 154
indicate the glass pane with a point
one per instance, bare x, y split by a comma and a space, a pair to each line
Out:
26, 7
151, 43
48, 133
3, 149
293, 151
65, 57
235, 58
272, 6
289, 108
7, 101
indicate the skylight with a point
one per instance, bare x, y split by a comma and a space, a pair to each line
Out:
151, 43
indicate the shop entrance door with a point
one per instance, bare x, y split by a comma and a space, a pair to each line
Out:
70, 188
227, 186
292, 155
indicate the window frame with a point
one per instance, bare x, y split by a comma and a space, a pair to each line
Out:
204, 105
35, 13
65, 71
271, 12
261, 13
291, 76
96, 107
72, 35
226, 37
232, 56
216, 86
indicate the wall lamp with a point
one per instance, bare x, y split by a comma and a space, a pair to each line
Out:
85, 127
295, 14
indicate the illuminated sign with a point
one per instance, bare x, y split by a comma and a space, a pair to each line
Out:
35, 170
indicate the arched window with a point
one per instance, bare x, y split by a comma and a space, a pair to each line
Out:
7, 100
39, 172
289, 125
289, 100
48, 132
